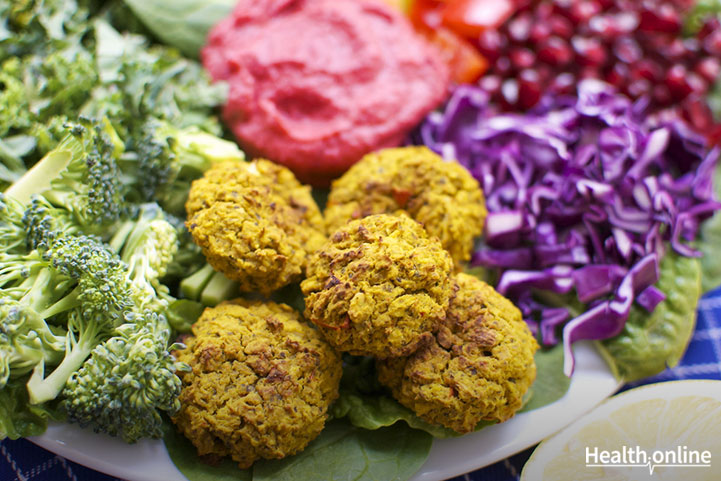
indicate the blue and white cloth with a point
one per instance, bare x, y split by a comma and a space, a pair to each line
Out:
21, 460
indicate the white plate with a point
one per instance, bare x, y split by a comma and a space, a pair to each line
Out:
149, 461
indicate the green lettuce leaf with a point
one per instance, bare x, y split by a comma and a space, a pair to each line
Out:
184, 24
551, 383
709, 244
19, 418
344, 452
652, 342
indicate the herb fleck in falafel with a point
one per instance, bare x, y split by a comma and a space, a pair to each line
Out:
443, 196
260, 385
478, 367
379, 286
255, 223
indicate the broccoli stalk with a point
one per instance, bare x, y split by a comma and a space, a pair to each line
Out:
208, 286
127, 381
105, 300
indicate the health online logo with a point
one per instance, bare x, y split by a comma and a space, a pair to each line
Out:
636, 457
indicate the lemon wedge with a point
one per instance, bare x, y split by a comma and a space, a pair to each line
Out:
668, 431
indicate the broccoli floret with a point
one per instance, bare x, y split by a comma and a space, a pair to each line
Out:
81, 176
171, 158
128, 380
102, 300
26, 340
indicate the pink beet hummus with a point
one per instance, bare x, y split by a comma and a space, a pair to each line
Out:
316, 84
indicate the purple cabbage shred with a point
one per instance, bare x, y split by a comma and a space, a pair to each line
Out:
584, 194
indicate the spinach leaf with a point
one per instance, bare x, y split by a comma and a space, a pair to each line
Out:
651, 342
345, 452
551, 383
183, 24
185, 457
709, 242
19, 418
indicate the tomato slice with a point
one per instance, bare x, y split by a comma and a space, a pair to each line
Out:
471, 17
465, 61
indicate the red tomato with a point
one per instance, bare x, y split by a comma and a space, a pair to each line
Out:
465, 62
471, 17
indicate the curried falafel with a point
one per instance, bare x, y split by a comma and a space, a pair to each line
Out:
443, 196
478, 367
255, 223
379, 286
260, 385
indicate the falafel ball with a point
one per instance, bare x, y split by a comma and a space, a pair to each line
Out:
478, 367
379, 286
260, 384
255, 223
443, 196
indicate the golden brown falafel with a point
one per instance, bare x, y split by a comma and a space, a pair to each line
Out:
255, 223
260, 385
443, 196
379, 286
479, 366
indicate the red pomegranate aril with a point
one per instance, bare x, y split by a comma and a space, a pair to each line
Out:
589, 72
509, 92
711, 25
504, 66
540, 32
676, 81
627, 50
490, 43
564, 83
662, 18
639, 87
675, 51
529, 89
698, 84
555, 51
561, 27
709, 68
589, 51
646, 69
618, 75
712, 43
519, 28
697, 112
491, 84
662, 95
522, 58
582, 11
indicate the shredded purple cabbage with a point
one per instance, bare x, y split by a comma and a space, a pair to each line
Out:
584, 196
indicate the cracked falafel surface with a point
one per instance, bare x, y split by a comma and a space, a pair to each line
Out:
478, 367
255, 223
379, 287
260, 385
442, 196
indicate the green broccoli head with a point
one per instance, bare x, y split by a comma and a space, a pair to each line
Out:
12, 230
26, 340
127, 382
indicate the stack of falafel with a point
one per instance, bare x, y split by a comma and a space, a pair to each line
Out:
384, 283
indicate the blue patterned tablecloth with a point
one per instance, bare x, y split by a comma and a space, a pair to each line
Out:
21, 460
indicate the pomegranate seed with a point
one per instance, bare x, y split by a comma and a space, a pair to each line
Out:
491, 43
677, 83
709, 68
564, 83
555, 51
491, 84
698, 84
540, 31
639, 87
712, 43
509, 91
583, 10
674, 51
618, 76
519, 28
561, 27
522, 58
662, 95
646, 69
503, 66
697, 113
589, 51
663, 18
627, 50
610, 26
529, 89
